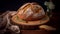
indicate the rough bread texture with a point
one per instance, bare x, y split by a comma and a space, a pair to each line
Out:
31, 11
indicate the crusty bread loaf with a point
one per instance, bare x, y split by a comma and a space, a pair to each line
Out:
31, 11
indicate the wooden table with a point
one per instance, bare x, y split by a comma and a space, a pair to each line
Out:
35, 32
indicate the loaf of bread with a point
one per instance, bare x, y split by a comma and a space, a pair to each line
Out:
31, 11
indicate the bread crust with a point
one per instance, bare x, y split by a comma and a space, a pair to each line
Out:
37, 12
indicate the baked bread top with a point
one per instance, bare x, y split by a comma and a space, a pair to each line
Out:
31, 11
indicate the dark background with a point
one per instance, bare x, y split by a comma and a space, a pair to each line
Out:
15, 4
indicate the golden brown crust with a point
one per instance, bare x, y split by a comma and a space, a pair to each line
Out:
34, 9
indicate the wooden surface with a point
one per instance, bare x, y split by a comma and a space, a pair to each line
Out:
32, 32
35, 32
31, 23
